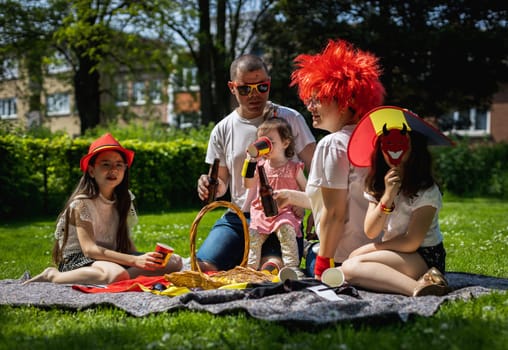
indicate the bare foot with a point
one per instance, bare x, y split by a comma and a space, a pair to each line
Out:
45, 276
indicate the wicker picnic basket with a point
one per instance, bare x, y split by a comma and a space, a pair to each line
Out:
197, 279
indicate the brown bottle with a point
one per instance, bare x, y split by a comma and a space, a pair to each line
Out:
213, 181
265, 192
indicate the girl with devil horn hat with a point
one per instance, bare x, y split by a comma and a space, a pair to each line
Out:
404, 202
92, 237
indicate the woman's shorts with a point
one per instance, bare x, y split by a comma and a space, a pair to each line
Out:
74, 261
434, 256
77, 260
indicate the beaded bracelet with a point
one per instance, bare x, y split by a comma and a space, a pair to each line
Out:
385, 209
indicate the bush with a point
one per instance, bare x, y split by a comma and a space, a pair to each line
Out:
471, 170
18, 178
164, 174
151, 131
37, 175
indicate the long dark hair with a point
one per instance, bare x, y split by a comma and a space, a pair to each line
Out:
88, 188
417, 169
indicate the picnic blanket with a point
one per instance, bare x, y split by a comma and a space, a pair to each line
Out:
294, 307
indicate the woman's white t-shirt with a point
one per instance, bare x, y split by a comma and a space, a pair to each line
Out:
398, 221
331, 168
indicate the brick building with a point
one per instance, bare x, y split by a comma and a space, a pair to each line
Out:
148, 96
174, 101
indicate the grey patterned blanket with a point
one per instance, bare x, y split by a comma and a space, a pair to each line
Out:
294, 307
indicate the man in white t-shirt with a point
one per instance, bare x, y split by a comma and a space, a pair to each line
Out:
223, 248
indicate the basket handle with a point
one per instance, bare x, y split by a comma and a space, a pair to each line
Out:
194, 229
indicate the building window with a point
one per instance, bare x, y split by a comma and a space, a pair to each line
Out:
58, 64
8, 108
138, 92
482, 120
186, 79
156, 91
58, 104
189, 76
10, 69
122, 94
471, 122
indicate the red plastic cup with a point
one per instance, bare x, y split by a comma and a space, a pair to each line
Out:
165, 250
260, 147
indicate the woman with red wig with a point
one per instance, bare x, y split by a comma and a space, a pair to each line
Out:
338, 85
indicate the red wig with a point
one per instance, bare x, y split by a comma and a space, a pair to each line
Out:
342, 73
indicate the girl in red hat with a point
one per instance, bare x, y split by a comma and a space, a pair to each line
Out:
93, 243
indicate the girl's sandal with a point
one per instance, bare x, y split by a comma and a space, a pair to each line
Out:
431, 283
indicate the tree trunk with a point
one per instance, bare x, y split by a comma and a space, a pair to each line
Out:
205, 63
221, 65
35, 76
86, 87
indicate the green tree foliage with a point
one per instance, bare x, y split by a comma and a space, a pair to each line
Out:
436, 55
215, 33
95, 37
24, 33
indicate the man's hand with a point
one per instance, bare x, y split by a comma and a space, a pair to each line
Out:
203, 187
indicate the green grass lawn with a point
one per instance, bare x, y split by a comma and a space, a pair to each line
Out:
476, 238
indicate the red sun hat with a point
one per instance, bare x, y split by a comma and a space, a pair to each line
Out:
105, 143
364, 136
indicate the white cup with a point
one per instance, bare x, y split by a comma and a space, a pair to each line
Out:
334, 277
287, 273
